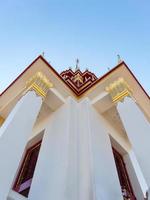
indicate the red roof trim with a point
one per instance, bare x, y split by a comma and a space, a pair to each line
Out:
136, 80
112, 70
58, 75
39, 57
20, 75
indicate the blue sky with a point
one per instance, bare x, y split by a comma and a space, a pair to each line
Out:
94, 31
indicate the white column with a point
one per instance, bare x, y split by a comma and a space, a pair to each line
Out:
13, 137
136, 124
105, 179
135, 174
63, 166
86, 182
98, 179
55, 175
138, 130
16, 129
75, 160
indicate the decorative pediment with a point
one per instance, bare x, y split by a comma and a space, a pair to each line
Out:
78, 81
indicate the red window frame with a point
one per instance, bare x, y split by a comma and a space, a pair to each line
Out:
26, 171
124, 180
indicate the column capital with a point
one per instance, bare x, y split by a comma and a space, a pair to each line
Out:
39, 83
118, 90
1, 120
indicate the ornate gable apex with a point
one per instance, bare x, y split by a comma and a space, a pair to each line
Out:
40, 64
78, 81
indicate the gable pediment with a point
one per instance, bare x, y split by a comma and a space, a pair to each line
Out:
78, 81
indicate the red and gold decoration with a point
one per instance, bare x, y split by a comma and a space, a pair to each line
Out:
79, 81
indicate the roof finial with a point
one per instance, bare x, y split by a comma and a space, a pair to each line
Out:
119, 59
43, 53
77, 64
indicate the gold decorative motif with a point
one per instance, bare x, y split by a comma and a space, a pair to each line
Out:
40, 84
79, 78
1, 120
118, 90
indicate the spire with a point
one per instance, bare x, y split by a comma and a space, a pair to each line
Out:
43, 54
77, 64
119, 59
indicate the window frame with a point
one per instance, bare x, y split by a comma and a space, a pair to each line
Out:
18, 186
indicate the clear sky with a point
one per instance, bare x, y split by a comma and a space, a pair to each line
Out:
94, 31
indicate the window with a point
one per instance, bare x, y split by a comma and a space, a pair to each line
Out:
123, 177
25, 175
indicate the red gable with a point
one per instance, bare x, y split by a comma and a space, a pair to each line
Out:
78, 81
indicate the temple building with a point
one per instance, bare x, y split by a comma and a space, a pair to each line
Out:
74, 136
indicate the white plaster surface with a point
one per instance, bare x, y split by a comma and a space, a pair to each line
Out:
85, 175
14, 135
138, 131
105, 177
52, 165
15, 196
75, 160
135, 174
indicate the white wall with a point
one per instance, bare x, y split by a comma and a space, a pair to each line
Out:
15, 196
76, 160
106, 180
50, 176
